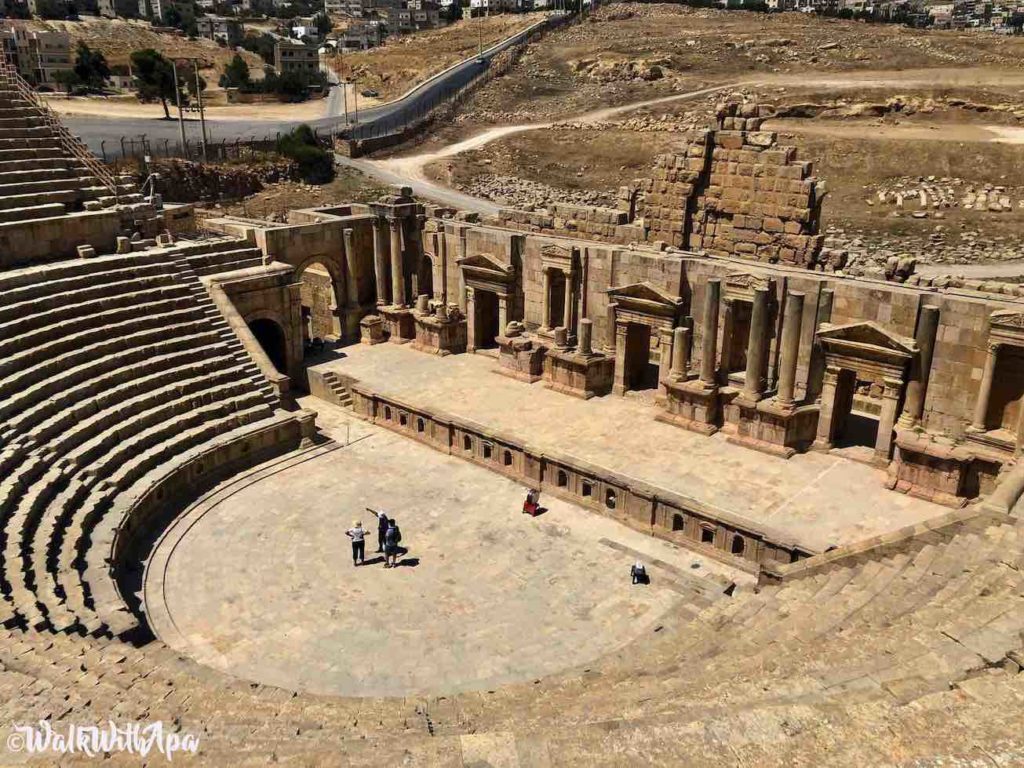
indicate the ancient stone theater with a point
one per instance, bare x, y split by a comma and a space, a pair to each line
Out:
819, 473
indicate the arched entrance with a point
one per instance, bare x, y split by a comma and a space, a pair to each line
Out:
319, 296
271, 337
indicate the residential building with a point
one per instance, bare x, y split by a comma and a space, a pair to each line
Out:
361, 35
294, 56
112, 9
221, 29
39, 56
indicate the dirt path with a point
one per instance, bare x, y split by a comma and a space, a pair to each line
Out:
411, 169
872, 129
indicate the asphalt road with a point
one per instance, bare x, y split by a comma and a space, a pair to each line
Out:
94, 131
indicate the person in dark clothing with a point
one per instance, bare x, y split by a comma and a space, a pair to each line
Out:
358, 536
392, 538
382, 527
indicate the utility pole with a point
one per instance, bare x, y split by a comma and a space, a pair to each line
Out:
355, 95
344, 80
202, 113
177, 100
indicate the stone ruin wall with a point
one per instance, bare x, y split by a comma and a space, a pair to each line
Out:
730, 191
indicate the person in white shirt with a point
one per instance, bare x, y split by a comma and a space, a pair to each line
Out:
358, 536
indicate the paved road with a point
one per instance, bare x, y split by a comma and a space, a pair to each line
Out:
95, 130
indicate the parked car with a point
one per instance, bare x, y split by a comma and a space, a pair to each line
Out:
369, 93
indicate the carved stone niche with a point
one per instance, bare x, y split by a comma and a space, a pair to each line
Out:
560, 271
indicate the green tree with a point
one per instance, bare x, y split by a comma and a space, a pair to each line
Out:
316, 165
262, 45
154, 78
236, 74
67, 79
91, 68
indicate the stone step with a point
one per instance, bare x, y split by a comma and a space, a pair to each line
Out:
44, 335
120, 353
26, 360
130, 461
87, 445
136, 333
31, 213
61, 184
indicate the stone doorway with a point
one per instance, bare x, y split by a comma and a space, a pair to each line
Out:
734, 357
1004, 405
862, 361
271, 337
556, 300
640, 373
486, 320
856, 415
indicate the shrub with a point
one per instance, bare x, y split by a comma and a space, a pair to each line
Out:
316, 165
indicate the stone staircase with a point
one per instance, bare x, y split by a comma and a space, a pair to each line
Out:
113, 371
42, 173
341, 394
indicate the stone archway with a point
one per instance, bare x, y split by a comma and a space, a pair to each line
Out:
322, 288
272, 339
862, 352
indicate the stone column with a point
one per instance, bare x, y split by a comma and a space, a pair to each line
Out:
545, 312
981, 407
830, 382
887, 419
709, 349
502, 314
816, 368
470, 320
609, 339
680, 353
665, 353
380, 261
586, 337
351, 269
442, 255
790, 348
754, 381
619, 385
462, 276
920, 367
569, 298
397, 270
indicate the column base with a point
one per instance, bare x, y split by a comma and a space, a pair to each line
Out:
771, 428
690, 404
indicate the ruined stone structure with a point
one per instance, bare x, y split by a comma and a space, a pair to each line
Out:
142, 362
729, 191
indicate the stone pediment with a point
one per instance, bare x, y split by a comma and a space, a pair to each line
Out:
743, 284
866, 339
553, 256
645, 297
484, 262
487, 273
1012, 319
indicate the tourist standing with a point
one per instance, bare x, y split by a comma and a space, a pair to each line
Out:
392, 538
358, 536
382, 527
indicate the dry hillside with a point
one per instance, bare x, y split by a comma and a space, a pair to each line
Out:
117, 38
402, 62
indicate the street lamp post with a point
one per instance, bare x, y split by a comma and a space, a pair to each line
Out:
177, 101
